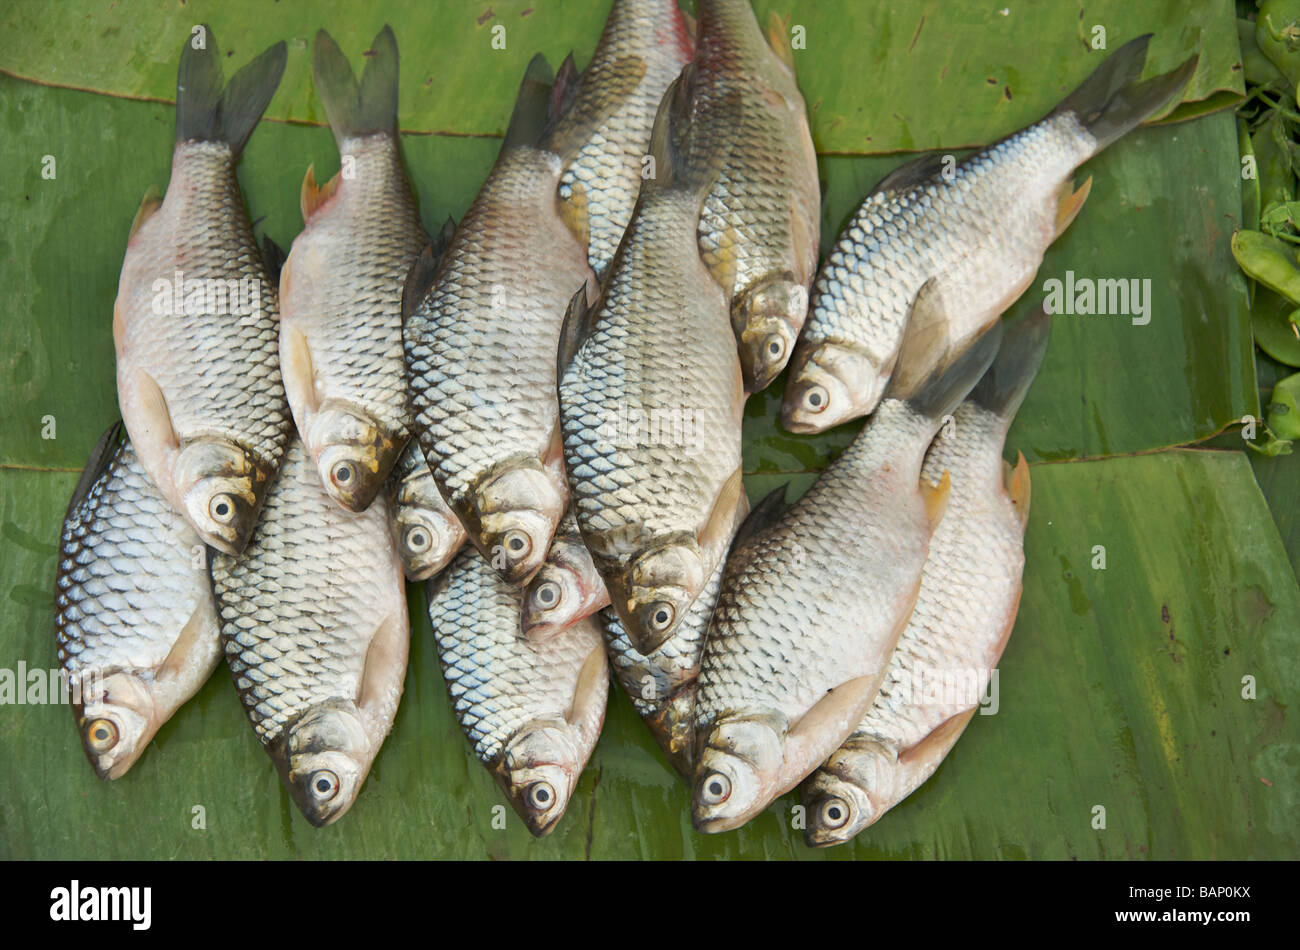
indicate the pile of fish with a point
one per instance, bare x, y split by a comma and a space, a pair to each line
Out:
538, 413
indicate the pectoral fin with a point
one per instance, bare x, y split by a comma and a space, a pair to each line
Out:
936, 498
717, 532
1017, 482
385, 667
151, 202
198, 636
588, 710
157, 419
779, 39
298, 372
824, 728
1069, 204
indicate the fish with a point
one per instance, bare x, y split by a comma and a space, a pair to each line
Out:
315, 631
532, 712
565, 589
813, 603
651, 427
661, 684
198, 373
954, 244
970, 592
135, 619
341, 287
759, 228
426, 533
480, 331
644, 45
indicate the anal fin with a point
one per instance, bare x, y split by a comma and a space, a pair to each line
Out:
936, 498
150, 203
312, 197
1017, 482
1068, 205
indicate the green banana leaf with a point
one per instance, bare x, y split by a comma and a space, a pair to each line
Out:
1120, 688
997, 68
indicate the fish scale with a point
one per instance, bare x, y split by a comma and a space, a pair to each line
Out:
352, 299
313, 617
606, 170
227, 368
126, 586
759, 227
532, 712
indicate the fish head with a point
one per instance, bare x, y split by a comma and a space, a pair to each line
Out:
517, 511
836, 799
353, 453
736, 772
564, 590
426, 538
656, 591
830, 383
221, 489
116, 719
325, 758
767, 318
538, 771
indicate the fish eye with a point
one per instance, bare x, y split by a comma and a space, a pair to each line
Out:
517, 543
102, 735
774, 345
815, 399
662, 615
343, 474
324, 785
715, 789
417, 539
541, 796
834, 813
547, 594
222, 508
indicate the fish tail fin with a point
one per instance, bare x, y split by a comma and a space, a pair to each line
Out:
679, 161
1003, 387
208, 112
532, 105
947, 385
1115, 99
357, 108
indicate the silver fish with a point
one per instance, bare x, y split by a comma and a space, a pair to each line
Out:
661, 683
314, 625
341, 287
426, 533
955, 246
643, 47
970, 590
137, 628
532, 712
652, 423
196, 319
759, 228
480, 333
813, 604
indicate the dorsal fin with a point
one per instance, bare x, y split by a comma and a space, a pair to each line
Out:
575, 118
764, 515
101, 456
576, 329
419, 279
532, 105
905, 177
274, 257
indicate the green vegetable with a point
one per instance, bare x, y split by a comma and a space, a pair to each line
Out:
1277, 33
1259, 70
1273, 161
1250, 195
1284, 408
1269, 260
1273, 319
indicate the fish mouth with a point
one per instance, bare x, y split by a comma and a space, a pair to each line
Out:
538, 773
115, 721
354, 455
425, 544
223, 488
323, 760
828, 385
514, 516
735, 775
767, 318
836, 811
